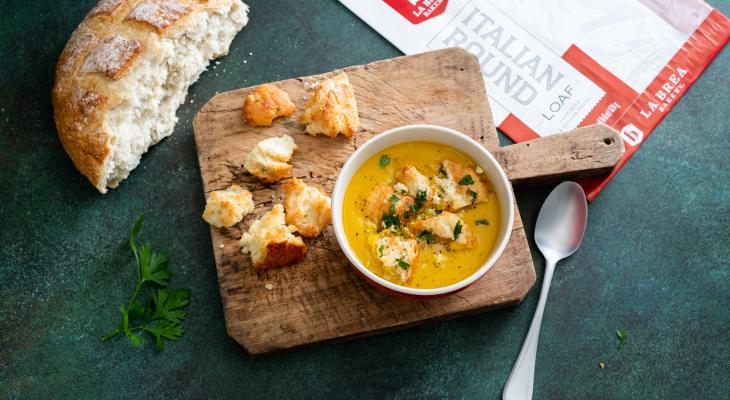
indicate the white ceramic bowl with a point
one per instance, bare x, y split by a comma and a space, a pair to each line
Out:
434, 134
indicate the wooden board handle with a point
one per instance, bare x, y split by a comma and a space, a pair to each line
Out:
588, 151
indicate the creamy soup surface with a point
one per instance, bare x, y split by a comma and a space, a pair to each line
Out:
421, 215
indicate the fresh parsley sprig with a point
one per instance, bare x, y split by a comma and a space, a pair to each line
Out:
162, 316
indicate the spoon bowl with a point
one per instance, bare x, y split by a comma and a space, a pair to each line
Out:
562, 221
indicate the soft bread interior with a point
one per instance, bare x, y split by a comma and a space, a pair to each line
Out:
158, 83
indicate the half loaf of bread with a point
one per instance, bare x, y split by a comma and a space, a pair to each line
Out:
125, 71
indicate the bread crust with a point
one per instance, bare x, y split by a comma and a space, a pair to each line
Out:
102, 50
279, 254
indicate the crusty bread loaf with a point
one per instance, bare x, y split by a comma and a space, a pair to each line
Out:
124, 72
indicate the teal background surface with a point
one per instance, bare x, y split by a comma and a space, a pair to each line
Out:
655, 261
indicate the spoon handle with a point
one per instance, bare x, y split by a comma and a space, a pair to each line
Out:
519, 383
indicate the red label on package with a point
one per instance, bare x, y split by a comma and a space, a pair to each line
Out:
417, 11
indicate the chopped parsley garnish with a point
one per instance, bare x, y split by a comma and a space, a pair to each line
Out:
457, 230
438, 211
427, 237
402, 264
466, 180
442, 171
482, 222
421, 197
380, 250
384, 161
390, 219
622, 335
393, 198
473, 194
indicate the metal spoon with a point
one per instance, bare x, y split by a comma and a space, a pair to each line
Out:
558, 234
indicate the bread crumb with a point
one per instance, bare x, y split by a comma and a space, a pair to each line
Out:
306, 207
332, 109
269, 286
225, 208
268, 159
602, 365
266, 103
222, 245
272, 243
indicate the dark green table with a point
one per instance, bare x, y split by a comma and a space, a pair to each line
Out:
655, 261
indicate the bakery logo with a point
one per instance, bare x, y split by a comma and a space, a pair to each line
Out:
418, 11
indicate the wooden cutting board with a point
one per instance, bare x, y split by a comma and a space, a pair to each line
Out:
322, 298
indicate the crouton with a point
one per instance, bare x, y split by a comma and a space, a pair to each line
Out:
460, 186
397, 254
446, 226
225, 208
265, 103
268, 159
416, 182
332, 108
271, 243
307, 207
384, 201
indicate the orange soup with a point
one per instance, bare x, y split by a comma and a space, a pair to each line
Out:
421, 215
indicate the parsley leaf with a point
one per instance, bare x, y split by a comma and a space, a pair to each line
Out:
164, 329
393, 198
380, 250
482, 222
163, 316
169, 304
466, 180
153, 266
457, 230
390, 219
402, 264
427, 237
421, 198
384, 161
473, 194
622, 336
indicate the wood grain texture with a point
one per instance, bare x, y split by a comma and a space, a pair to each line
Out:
588, 151
323, 298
